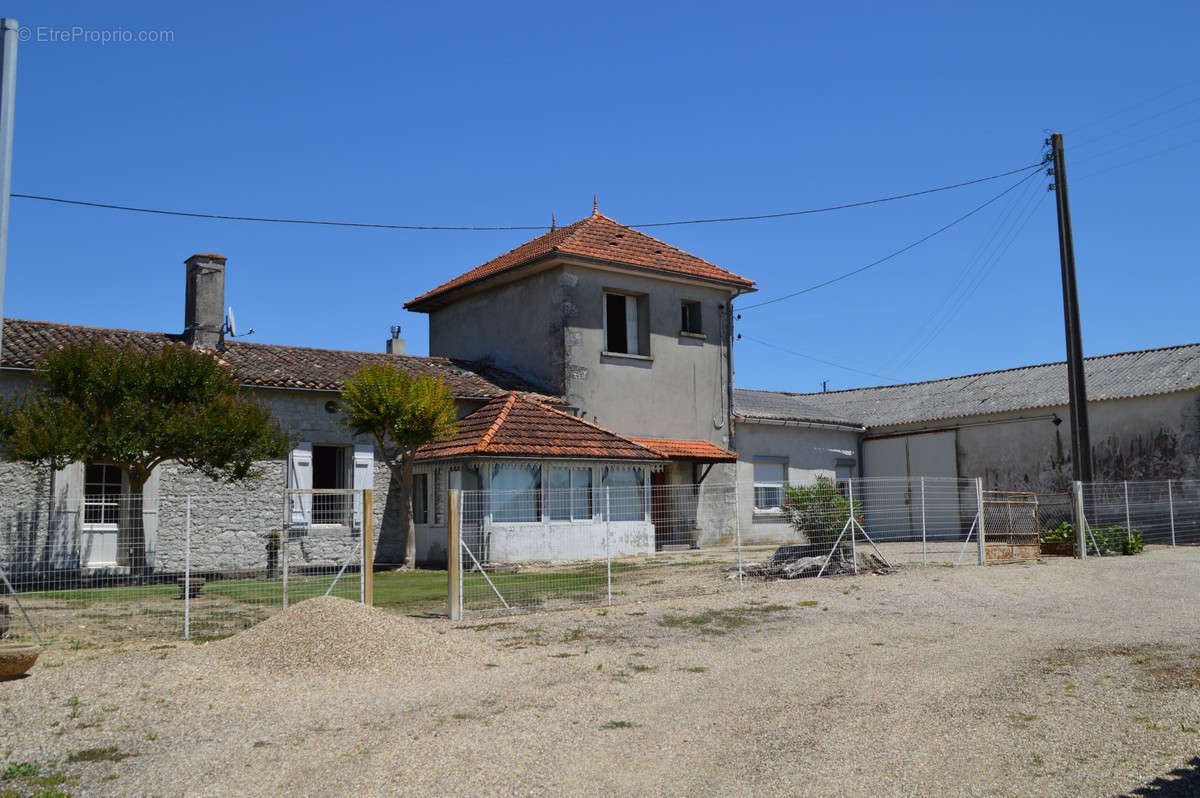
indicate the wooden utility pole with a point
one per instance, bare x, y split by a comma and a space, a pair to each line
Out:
1081, 444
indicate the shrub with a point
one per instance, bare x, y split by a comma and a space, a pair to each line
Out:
1110, 540
819, 511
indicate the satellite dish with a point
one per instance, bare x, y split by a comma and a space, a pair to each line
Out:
231, 322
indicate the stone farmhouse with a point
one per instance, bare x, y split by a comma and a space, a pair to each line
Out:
591, 357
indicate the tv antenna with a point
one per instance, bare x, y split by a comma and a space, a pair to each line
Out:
231, 325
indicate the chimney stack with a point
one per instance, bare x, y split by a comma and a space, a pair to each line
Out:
395, 344
204, 305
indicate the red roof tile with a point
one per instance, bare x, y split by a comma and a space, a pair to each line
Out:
515, 426
263, 365
597, 237
701, 451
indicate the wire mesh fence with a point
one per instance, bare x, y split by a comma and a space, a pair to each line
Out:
1123, 516
549, 548
113, 567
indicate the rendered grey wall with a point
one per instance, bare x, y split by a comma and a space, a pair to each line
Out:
1146, 438
810, 452
678, 391
518, 327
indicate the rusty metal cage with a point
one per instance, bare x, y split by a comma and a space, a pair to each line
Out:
1011, 524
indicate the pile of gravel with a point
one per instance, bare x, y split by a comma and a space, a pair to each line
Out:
331, 633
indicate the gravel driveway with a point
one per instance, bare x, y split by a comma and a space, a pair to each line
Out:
1042, 679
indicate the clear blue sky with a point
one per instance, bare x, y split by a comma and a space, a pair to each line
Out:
498, 114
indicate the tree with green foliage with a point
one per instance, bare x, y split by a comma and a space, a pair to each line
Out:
819, 512
402, 413
99, 403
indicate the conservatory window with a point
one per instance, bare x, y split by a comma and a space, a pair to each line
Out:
570, 496
625, 493
516, 493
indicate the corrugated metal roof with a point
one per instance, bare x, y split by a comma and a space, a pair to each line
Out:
1122, 375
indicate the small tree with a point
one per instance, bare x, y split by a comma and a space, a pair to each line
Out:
402, 413
819, 512
135, 410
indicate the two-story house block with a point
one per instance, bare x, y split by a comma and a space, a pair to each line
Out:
633, 333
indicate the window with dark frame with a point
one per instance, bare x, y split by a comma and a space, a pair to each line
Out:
690, 322
102, 494
420, 497
329, 472
617, 324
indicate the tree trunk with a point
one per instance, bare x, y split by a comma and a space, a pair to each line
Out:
131, 532
407, 520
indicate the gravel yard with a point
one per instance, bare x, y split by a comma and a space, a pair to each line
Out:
1031, 679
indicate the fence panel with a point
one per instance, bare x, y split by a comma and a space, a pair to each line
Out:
1164, 512
116, 567
553, 548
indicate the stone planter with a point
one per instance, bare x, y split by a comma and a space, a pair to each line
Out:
16, 658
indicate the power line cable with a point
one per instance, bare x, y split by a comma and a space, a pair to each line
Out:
933, 318
815, 359
476, 228
1123, 164
980, 278
1137, 123
1132, 107
1135, 142
844, 206
898, 252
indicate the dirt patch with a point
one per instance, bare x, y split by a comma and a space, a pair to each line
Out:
331, 633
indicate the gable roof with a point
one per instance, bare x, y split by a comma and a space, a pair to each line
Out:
596, 237
514, 426
263, 365
1122, 375
700, 451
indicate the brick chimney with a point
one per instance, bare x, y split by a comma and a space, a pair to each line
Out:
204, 305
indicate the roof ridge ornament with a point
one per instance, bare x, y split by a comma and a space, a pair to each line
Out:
595, 206
553, 222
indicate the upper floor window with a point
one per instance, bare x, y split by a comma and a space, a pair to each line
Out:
691, 318
420, 498
626, 322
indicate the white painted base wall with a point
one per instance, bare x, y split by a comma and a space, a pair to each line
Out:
514, 543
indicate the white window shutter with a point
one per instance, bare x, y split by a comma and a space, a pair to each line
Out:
364, 477
632, 342
300, 478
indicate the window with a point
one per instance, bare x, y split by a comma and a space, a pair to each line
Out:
570, 493
626, 324
625, 493
439, 496
329, 472
690, 322
516, 494
102, 495
769, 479
420, 489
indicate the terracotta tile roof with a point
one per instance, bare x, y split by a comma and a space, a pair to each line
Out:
263, 365
598, 237
515, 426
700, 451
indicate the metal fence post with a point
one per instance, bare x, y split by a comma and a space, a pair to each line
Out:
284, 535
1128, 525
187, 572
924, 551
1080, 523
737, 530
1171, 509
980, 537
454, 572
853, 531
607, 539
